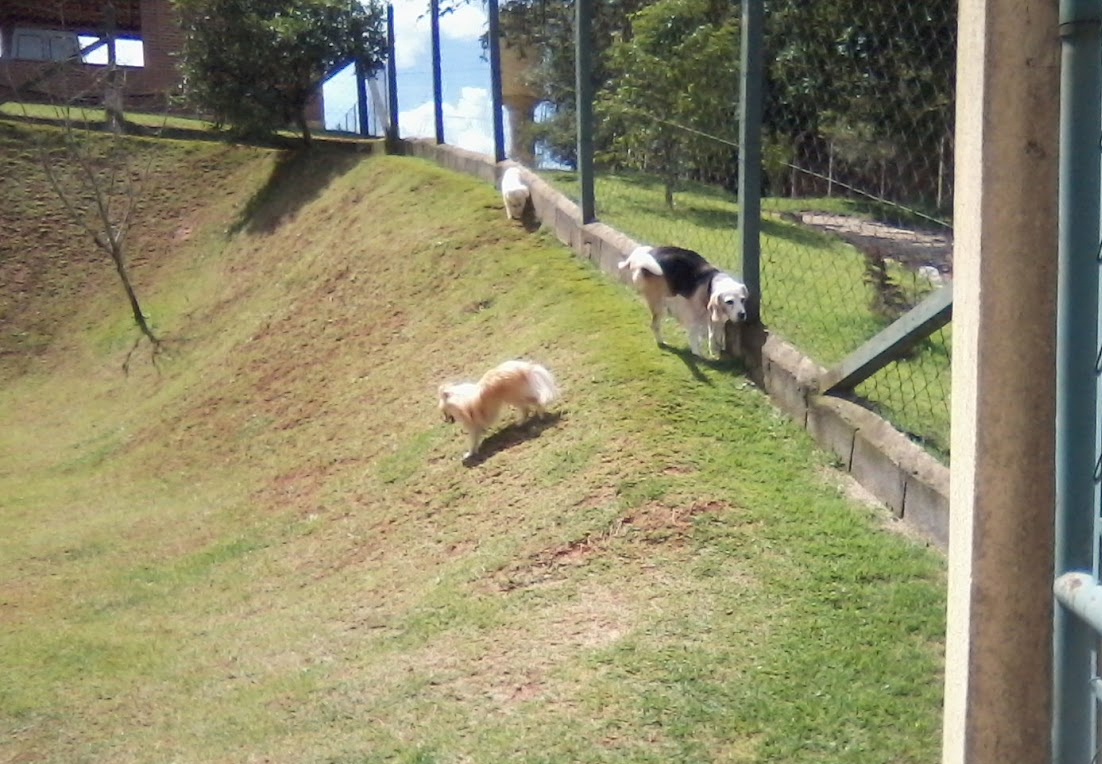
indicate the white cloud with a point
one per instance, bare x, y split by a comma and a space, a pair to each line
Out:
468, 123
468, 22
413, 35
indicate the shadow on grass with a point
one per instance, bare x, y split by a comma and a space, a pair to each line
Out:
301, 174
299, 177
797, 233
139, 130
528, 218
511, 435
693, 363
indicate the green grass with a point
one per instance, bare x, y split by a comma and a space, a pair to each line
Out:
267, 547
94, 115
813, 284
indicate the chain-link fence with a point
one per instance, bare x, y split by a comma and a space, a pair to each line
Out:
856, 139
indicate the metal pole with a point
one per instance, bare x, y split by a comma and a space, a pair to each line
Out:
361, 88
437, 87
749, 164
1077, 335
391, 80
583, 45
495, 79
113, 97
361, 99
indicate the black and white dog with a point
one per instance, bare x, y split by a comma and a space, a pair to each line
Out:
701, 296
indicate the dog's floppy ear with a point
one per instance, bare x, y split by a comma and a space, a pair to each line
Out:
715, 309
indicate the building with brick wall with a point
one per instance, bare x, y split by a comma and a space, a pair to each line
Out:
40, 59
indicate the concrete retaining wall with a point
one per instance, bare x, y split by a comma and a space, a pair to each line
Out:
899, 473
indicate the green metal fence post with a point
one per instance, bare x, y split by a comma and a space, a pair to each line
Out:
749, 181
583, 42
1077, 426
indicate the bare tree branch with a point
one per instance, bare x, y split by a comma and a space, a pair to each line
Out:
100, 193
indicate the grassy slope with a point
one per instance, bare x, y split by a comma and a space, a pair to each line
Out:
269, 550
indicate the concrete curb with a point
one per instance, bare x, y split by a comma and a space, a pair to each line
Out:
899, 473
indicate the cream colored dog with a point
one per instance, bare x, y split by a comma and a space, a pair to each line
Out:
513, 193
476, 405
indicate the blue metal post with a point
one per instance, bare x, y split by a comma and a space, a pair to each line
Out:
493, 22
749, 163
361, 100
437, 87
391, 79
583, 43
362, 125
1077, 335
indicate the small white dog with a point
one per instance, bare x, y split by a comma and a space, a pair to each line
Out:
702, 297
514, 193
476, 405
931, 274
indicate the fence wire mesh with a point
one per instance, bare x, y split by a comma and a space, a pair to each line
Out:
856, 145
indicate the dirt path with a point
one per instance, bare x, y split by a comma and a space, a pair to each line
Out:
913, 248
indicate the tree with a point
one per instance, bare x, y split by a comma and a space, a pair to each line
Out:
879, 70
254, 64
545, 29
671, 107
99, 180
882, 72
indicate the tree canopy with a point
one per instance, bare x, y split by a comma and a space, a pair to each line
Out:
544, 30
671, 102
868, 81
254, 64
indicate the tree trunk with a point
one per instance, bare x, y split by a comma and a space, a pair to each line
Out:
117, 256
306, 138
669, 174
112, 101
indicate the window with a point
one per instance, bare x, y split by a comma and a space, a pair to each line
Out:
44, 45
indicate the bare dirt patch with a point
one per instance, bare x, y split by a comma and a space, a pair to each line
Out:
653, 523
912, 247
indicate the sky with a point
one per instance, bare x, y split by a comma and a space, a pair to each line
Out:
465, 78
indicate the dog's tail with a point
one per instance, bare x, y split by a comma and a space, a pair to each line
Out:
641, 259
543, 384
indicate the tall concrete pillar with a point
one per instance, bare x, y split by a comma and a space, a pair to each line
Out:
998, 696
520, 100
